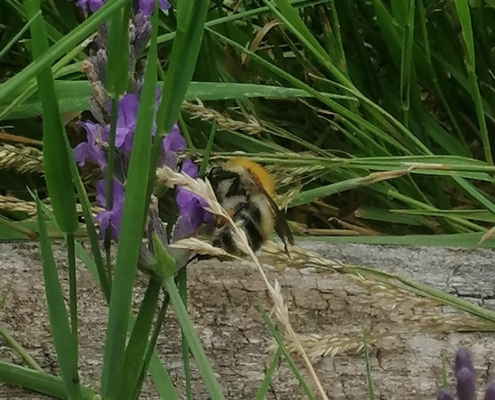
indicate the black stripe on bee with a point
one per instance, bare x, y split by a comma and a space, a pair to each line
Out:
218, 176
251, 218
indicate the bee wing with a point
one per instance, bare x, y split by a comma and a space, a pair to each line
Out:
281, 225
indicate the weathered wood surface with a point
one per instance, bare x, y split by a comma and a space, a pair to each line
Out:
222, 301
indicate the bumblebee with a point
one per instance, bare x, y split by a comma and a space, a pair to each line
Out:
246, 190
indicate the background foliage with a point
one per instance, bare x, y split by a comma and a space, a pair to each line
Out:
383, 86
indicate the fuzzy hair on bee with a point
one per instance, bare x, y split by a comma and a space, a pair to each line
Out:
245, 190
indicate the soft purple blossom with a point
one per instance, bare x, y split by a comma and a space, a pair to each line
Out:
465, 377
126, 122
173, 143
90, 149
146, 6
93, 5
444, 394
490, 391
110, 218
191, 207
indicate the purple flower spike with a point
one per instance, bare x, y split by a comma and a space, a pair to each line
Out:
490, 391
93, 5
444, 394
110, 218
146, 6
90, 149
466, 384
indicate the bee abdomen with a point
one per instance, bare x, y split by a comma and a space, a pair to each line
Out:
250, 215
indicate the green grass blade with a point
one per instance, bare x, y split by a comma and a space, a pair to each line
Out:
38, 381
464, 15
136, 348
59, 322
16, 38
130, 237
182, 285
267, 380
63, 46
16, 346
406, 61
187, 327
55, 158
287, 356
369, 378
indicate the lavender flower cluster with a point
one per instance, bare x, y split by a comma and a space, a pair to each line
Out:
465, 377
191, 214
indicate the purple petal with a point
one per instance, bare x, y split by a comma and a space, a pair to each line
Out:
490, 391
164, 4
107, 219
91, 130
93, 5
189, 168
110, 218
118, 194
85, 151
466, 384
174, 141
444, 394
126, 121
90, 150
146, 7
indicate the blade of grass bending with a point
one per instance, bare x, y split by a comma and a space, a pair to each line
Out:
136, 347
133, 219
15, 345
59, 322
187, 327
464, 15
182, 285
287, 356
265, 385
60, 48
40, 382
369, 378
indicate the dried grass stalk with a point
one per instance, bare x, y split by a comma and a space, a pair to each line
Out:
14, 204
319, 346
22, 159
225, 123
